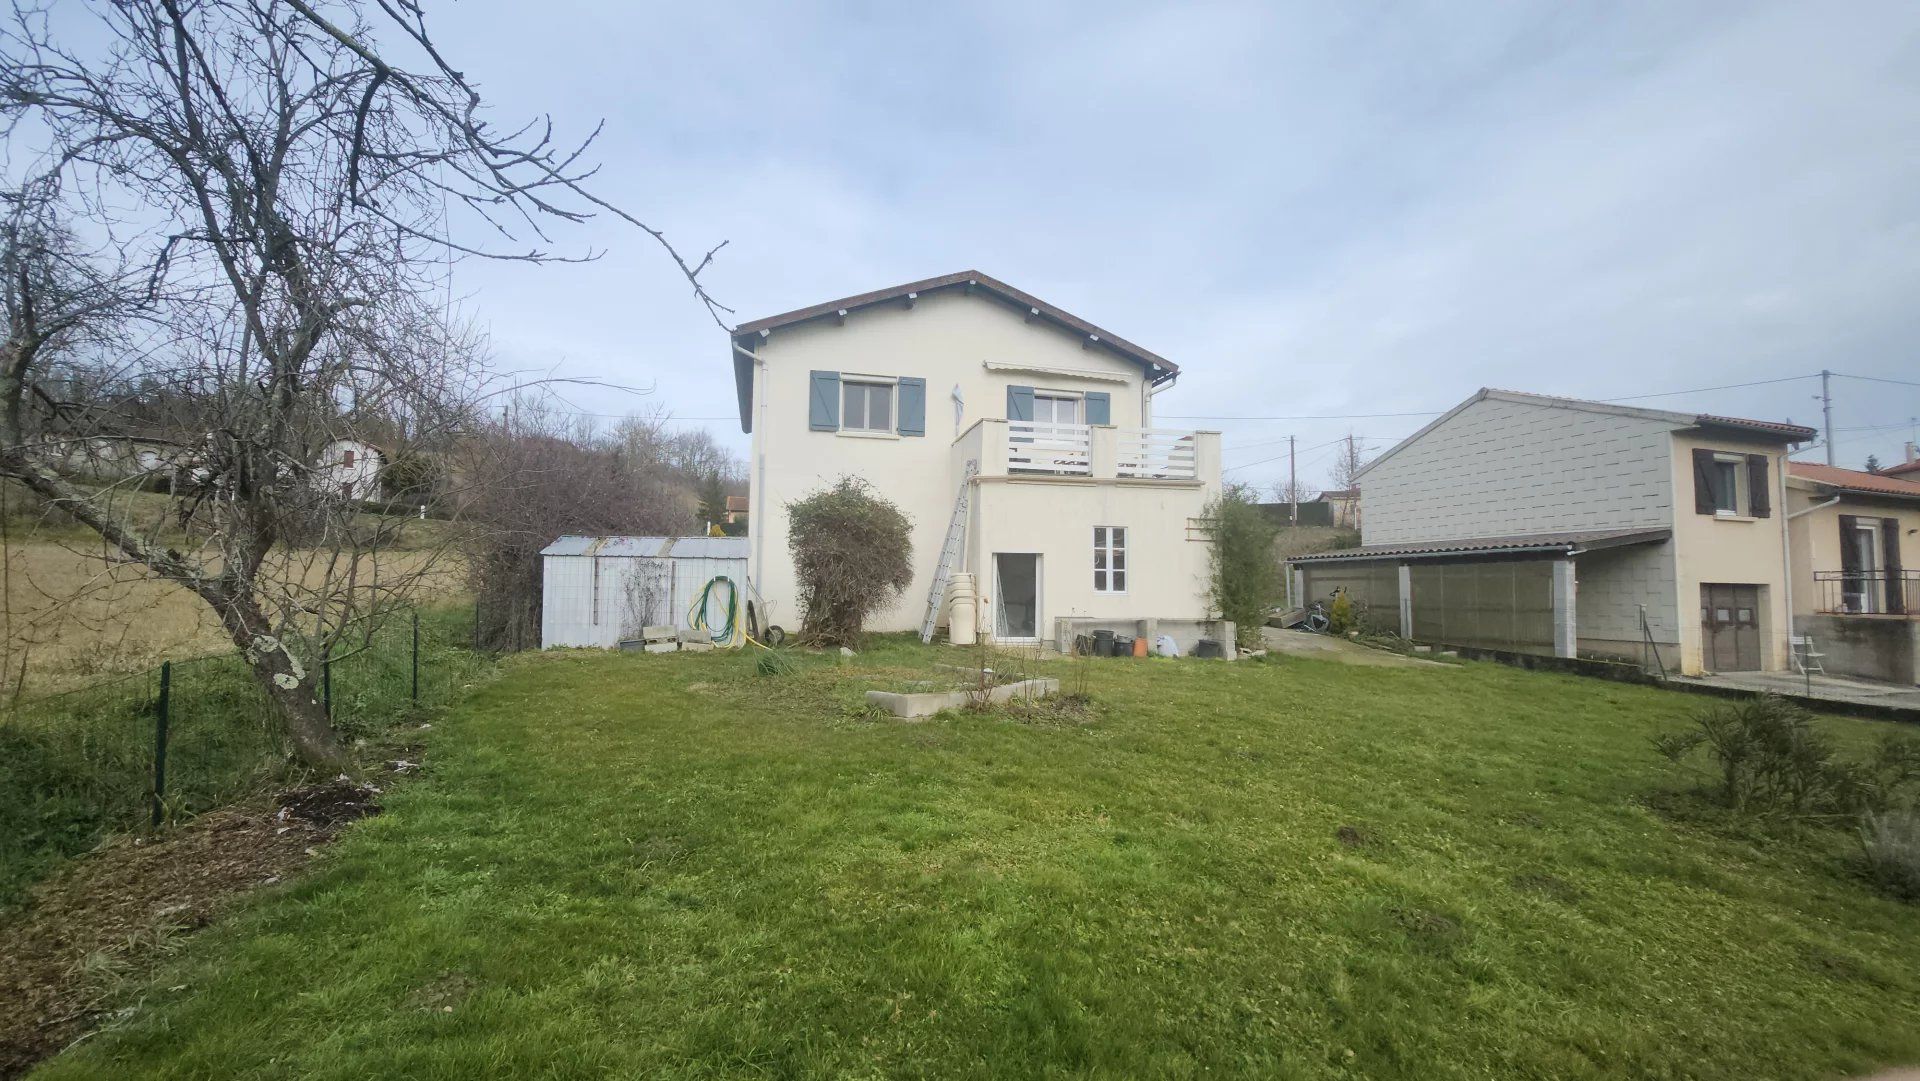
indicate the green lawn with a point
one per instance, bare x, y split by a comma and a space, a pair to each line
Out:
626, 866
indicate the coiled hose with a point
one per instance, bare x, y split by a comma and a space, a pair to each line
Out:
730, 633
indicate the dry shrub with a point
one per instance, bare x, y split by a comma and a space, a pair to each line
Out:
1891, 842
853, 554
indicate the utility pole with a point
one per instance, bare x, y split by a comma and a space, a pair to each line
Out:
1293, 486
1826, 409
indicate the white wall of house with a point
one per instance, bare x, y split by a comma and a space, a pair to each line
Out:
958, 341
349, 468
1500, 467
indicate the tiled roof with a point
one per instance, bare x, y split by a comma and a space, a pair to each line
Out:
1853, 480
1524, 542
1159, 369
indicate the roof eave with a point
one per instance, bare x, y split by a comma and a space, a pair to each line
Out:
1159, 369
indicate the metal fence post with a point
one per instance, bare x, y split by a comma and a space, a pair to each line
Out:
326, 686
161, 709
416, 656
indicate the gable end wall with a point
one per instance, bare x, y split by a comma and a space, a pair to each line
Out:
1499, 468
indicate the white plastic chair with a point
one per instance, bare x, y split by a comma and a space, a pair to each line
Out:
1805, 660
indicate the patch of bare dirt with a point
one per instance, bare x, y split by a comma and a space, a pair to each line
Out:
118, 909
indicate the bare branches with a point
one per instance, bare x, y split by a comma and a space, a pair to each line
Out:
267, 201
517, 170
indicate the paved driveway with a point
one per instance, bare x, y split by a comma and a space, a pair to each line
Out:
1327, 647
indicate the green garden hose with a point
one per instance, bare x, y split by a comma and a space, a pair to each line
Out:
728, 634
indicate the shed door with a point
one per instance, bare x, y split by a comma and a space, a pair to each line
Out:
1730, 627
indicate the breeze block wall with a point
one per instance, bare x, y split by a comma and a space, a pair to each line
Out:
1499, 468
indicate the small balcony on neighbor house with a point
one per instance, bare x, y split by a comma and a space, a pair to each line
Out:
1030, 450
1887, 593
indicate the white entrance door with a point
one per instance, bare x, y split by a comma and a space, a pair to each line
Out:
1016, 596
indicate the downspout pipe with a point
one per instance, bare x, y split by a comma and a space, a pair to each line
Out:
756, 521
1147, 391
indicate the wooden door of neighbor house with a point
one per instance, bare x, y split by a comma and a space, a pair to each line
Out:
1730, 627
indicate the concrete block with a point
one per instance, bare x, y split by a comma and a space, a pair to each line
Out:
696, 647
927, 704
663, 647
656, 633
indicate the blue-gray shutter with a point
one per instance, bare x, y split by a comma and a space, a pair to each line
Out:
1099, 407
1020, 403
823, 401
913, 406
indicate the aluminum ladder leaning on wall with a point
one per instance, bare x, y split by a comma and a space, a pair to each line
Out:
949, 552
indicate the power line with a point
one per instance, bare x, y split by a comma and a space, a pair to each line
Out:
1879, 379
1437, 412
1704, 390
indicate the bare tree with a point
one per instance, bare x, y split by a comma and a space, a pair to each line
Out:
1292, 491
248, 202
1347, 463
538, 472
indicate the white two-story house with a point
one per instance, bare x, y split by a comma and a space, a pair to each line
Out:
1539, 525
1079, 512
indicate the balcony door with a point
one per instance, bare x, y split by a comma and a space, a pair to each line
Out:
1863, 561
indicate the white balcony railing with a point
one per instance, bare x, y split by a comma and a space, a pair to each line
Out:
1159, 453
1062, 449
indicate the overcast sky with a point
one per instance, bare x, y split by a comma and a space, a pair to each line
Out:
1314, 209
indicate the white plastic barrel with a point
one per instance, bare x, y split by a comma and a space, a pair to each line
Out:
960, 609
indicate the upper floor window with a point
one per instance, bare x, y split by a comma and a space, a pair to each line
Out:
866, 404
1056, 409
1727, 484
866, 407
346, 458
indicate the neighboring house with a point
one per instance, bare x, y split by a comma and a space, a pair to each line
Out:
349, 468
1310, 514
1852, 592
736, 509
110, 458
1909, 469
1544, 525
1081, 513
1344, 504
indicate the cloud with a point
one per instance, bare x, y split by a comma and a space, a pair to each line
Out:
1315, 208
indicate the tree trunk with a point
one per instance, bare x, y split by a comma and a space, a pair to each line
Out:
288, 684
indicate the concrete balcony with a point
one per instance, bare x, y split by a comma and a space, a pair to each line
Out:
1082, 453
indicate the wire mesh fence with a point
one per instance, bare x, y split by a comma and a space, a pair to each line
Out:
174, 742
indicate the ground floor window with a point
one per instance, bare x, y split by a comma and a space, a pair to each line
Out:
1109, 559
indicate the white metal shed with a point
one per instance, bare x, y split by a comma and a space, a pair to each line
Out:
596, 591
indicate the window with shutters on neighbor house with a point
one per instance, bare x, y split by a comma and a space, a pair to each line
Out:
1727, 484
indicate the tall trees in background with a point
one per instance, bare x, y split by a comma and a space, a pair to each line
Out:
252, 203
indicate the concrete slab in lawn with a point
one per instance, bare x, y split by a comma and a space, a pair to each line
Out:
1327, 647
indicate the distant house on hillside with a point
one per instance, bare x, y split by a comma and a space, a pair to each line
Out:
350, 469
1344, 507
